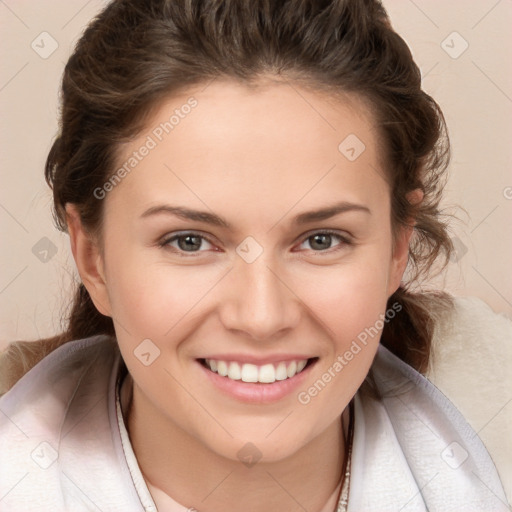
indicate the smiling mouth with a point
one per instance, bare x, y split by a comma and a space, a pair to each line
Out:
252, 373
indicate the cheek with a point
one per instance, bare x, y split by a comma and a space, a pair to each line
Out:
351, 307
150, 297
142, 305
347, 299
161, 304
350, 303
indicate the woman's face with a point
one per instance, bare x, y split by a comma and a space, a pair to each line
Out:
253, 230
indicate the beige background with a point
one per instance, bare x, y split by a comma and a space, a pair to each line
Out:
473, 88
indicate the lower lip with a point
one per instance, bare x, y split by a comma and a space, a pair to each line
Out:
257, 393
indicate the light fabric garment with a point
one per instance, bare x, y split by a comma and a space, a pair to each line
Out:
471, 364
61, 442
147, 493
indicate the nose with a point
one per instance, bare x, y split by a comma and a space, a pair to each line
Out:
259, 302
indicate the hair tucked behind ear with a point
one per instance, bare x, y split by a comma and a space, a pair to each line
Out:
138, 52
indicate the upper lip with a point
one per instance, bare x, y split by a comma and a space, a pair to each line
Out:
258, 360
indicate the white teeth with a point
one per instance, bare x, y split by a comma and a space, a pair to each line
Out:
266, 373
281, 372
301, 365
234, 371
249, 373
222, 368
291, 370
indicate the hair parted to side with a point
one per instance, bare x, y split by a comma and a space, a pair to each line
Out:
136, 53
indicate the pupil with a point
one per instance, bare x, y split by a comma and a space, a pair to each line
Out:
319, 242
190, 241
320, 239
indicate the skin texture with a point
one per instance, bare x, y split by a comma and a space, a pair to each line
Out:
257, 157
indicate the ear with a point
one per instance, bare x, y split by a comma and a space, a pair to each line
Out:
401, 249
88, 259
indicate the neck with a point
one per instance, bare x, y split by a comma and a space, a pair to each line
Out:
193, 475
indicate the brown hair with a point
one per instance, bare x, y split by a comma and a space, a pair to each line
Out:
136, 53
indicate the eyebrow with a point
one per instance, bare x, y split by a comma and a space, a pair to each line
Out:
216, 220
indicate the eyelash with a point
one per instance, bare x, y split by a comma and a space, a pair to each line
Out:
165, 242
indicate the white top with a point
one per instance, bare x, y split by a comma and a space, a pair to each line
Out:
148, 494
64, 447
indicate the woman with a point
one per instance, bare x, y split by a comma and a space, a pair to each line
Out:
244, 184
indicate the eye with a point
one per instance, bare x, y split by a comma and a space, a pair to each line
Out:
192, 242
186, 242
321, 241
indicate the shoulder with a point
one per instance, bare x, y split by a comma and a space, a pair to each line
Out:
40, 401
52, 420
471, 361
440, 458
58, 373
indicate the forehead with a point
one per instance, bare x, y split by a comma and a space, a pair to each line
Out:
274, 115
266, 146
